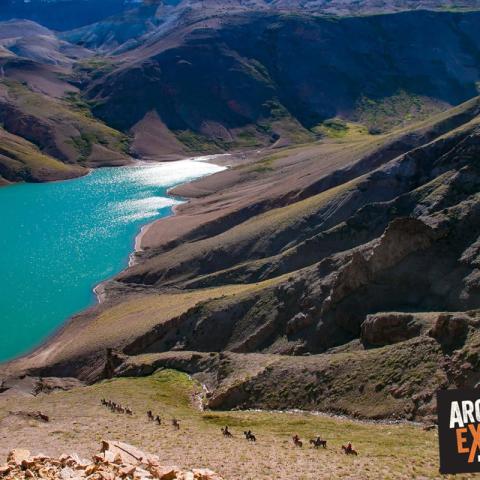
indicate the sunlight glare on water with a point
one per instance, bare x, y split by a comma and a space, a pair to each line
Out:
58, 240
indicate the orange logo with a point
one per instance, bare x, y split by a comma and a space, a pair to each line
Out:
459, 430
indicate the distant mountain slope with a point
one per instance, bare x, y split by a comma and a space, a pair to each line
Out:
122, 31
27, 39
43, 119
20, 160
253, 79
62, 14
62, 128
179, 81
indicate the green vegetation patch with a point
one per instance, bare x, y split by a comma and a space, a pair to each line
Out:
84, 144
94, 67
247, 138
196, 142
275, 109
339, 128
401, 109
265, 165
333, 128
78, 103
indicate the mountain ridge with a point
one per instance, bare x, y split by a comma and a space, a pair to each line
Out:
314, 280
265, 91
334, 266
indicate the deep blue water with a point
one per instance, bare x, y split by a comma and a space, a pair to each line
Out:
58, 240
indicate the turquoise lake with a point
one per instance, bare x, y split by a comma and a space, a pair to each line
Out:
59, 240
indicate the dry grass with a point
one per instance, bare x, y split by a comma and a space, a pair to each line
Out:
140, 313
122, 322
76, 131
79, 422
19, 154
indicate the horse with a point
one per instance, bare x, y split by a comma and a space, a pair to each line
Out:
226, 432
296, 441
349, 450
250, 436
158, 420
317, 443
175, 423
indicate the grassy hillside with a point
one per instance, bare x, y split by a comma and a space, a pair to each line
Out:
65, 135
299, 270
21, 160
79, 422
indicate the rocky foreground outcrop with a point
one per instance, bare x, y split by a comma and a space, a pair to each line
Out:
115, 461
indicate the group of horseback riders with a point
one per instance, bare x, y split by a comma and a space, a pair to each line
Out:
116, 407
156, 418
316, 442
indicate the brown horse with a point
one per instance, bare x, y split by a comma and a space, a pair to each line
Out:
226, 432
296, 441
250, 436
175, 423
318, 442
349, 450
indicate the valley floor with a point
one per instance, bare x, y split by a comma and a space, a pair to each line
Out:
78, 422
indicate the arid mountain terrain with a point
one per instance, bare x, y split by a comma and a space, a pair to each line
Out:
63, 14
173, 80
52, 134
334, 266
338, 276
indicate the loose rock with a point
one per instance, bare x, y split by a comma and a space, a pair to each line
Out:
116, 460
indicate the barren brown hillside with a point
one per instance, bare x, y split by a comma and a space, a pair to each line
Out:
309, 259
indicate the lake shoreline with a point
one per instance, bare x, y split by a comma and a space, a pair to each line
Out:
215, 160
44, 348
99, 289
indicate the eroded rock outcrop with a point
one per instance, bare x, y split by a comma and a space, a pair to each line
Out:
116, 460
27, 385
387, 328
450, 329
